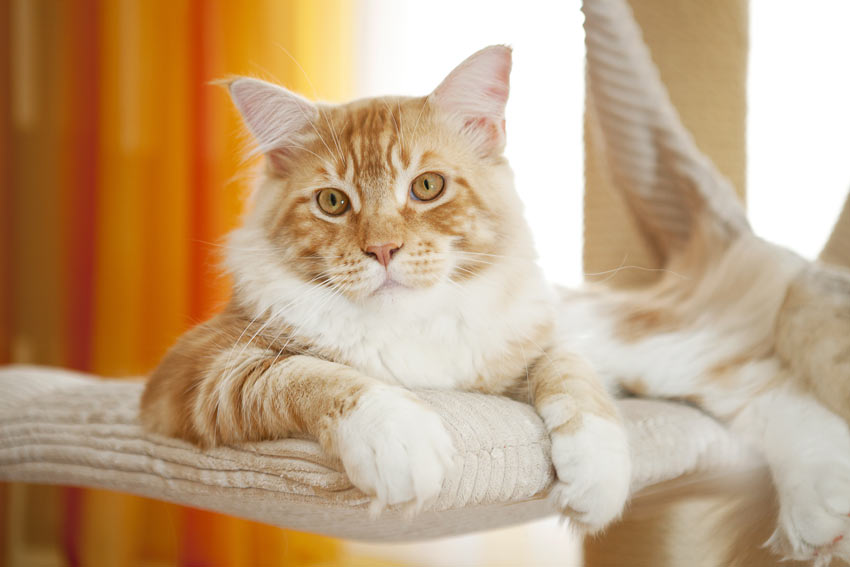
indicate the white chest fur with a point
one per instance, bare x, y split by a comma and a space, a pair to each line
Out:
443, 337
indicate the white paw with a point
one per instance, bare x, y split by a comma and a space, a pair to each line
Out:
395, 449
814, 504
594, 472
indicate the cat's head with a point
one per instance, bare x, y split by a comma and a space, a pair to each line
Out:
384, 196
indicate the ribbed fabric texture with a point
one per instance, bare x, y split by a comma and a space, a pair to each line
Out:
643, 165
59, 427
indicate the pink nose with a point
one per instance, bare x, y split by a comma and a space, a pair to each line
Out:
383, 253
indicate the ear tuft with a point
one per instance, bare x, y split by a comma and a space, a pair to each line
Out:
476, 93
272, 114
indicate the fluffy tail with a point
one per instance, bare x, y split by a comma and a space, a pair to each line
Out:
723, 521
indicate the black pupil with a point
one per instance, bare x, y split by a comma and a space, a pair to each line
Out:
427, 184
332, 199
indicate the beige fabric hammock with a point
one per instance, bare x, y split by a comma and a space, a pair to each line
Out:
60, 427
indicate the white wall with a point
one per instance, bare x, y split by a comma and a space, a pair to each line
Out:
798, 119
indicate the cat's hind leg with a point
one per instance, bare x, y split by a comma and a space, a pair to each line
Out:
808, 450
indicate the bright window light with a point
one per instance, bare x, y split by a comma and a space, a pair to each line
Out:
798, 140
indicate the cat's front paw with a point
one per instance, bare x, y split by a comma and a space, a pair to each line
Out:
814, 504
395, 449
594, 472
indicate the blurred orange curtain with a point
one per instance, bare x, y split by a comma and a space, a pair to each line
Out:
120, 172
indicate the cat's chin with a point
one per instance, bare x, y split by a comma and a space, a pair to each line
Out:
390, 288
391, 291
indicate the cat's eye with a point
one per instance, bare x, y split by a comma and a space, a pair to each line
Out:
427, 186
332, 201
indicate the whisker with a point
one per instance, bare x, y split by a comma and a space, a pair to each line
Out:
641, 268
316, 97
266, 251
419, 116
613, 272
478, 261
229, 366
397, 131
225, 245
263, 249
297, 147
277, 313
316, 130
316, 312
465, 252
334, 138
242, 175
400, 120
276, 358
340, 153
300, 68
465, 270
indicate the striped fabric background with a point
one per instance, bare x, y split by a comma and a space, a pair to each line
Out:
120, 171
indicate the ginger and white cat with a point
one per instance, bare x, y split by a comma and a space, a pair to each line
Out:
386, 249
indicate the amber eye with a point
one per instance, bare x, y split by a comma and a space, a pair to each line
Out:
332, 201
427, 186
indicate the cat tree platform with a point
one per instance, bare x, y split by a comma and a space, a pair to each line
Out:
60, 427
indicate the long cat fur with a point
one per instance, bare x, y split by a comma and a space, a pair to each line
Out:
750, 332
322, 338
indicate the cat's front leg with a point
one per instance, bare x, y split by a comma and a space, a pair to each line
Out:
394, 448
589, 445
807, 448
391, 445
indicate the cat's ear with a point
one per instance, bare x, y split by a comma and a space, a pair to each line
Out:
475, 94
272, 114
